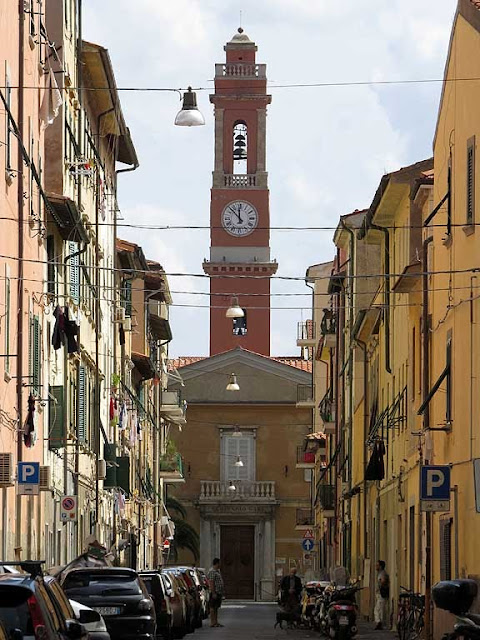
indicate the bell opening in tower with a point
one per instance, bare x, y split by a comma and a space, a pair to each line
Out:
240, 325
240, 148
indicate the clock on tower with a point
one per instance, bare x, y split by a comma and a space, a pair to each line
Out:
240, 263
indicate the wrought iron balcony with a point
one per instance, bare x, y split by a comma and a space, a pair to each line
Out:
327, 412
305, 459
326, 496
218, 491
171, 468
172, 407
305, 398
306, 334
305, 517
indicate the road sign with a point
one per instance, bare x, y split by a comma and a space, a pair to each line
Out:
309, 534
28, 478
68, 509
435, 488
307, 544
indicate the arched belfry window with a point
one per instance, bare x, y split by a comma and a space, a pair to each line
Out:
240, 146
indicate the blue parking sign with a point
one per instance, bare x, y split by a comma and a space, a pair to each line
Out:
435, 482
28, 478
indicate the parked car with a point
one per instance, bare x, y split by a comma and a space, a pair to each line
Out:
204, 589
91, 620
155, 584
178, 600
118, 595
31, 607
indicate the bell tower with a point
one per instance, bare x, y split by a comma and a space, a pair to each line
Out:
240, 264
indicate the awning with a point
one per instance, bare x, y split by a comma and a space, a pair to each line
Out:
409, 277
67, 217
160, 327
144, 365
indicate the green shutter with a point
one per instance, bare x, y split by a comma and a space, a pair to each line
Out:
56, 426
110, 456
74, 272
81, 404
123, 473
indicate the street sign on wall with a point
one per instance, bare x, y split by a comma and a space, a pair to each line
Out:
435, 488
68, 509
309, 534
28, 478
307, 544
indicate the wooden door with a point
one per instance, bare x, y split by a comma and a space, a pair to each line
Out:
237, 552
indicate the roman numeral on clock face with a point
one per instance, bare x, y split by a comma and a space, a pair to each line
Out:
239, 218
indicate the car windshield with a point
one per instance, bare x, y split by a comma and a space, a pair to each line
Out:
101, 585
14, 611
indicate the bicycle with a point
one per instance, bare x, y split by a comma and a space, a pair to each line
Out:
410, 617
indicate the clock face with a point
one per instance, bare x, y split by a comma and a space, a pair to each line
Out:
239, 218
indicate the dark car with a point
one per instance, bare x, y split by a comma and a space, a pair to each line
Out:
178, 604
118, 595
187, 597
31, 607
156, 587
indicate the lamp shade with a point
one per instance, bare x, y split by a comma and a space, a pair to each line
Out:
238, 462
235, 310
232, 383
189, 115
232, 487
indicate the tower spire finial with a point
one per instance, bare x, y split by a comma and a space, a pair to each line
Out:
240, 30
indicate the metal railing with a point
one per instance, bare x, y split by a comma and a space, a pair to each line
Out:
171, 464
326, 496
305, 457
304, 393
305, 518
327, 408
171, 398
217, 490
306, 330
328, 324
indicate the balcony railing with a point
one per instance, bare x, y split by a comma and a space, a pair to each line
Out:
215, 491
326, 496
173, 407
327, 410
306, 334
240, 181
305, 395
240, 70
328, 328
171, 468
305, 458
305, 518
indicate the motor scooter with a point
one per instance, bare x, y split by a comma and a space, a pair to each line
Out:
311, 596
457, 596
342, 613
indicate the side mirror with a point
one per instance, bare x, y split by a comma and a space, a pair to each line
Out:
89, 615
75, 630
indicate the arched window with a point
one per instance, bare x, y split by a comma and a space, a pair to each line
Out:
240, 146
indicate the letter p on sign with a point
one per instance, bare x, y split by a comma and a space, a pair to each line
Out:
435, 479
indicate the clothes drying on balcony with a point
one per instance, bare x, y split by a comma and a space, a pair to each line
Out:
376, 467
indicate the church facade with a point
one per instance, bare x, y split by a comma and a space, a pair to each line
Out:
248, 491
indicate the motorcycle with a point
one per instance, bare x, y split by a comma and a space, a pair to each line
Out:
457, 596
342, 613
311, 597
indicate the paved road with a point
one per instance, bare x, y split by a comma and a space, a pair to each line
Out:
252, 621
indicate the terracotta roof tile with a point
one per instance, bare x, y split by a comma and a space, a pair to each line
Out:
291, 361
476, 3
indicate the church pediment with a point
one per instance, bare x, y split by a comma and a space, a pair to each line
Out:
261, 379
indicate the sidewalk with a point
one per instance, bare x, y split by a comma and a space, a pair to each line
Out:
366, 630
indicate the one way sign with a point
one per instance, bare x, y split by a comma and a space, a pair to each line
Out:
307, 544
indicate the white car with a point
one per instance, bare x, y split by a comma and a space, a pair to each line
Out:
91, 620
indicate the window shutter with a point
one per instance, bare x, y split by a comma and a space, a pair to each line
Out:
56, 427
74, 273
471, 181
126, 295
51, 268
110, 455
123, 473
243, 448
36, 356
81, 404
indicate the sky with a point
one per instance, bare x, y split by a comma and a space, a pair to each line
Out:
327, 147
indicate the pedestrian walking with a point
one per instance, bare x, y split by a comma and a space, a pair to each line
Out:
291, 588
382, 596
217, 592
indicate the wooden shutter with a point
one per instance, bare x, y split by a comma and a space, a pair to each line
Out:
446, 549
126, 295
81, 405
36, 359
110, 456
74, 273
123, 473
243, 448
471, 181
51, 267
56, 427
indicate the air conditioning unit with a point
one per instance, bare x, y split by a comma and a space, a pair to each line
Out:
6, 470
119, 314
45, 479
102, 469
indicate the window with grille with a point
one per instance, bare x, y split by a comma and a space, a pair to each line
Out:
471, 180
82, 405
238, 448
34, 354
74, 272
446, 549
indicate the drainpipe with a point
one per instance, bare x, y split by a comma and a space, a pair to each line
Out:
386, 233
312, 491
363, 347
20, 297
426, 426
